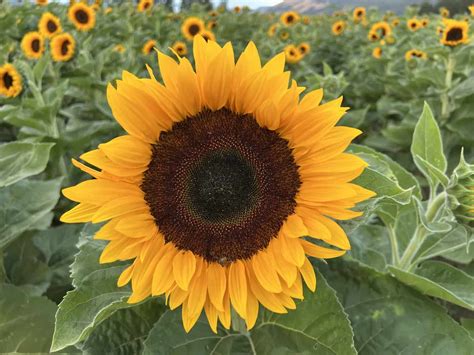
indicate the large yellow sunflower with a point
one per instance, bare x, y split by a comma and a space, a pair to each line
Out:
455, 32
289, 18
180, 48
10, 81
82, 16
148, 46
223, 185
144, 5
62, 47
191, 27
49, 25
338, 27
358, 15
32, 45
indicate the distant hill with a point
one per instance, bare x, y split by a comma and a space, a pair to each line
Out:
318, 6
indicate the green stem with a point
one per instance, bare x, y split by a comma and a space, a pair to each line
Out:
394, 245
435, 205
450, 64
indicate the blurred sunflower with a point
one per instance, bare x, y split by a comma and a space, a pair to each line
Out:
180, 48
414, 24
444, 12
148, 46
382, 29
32, 45
304, 48
119, 48
415, 53
471, 9
377, 52
62, 47
108, 10
373, 36
144, 5
292, 54
289, 18
49, 25
455, 32
208, 35
237, 9
218, 195
439, 30
211, 25
284, 35
358, 15
10, 81
306, 20
191, 27
213, 13
395, 22
272, 30
425, 22
41, 2
338, 27
82, 16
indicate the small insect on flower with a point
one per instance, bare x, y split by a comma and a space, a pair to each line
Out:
289, 18
292, 54
62, 47
454, 32
180, 48
32, 45
10, 81
144, 5
191, 27
338, 27
148, 46
49, 25
82, 16
222, 185
414, 54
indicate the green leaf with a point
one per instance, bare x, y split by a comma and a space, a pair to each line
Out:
440, 244
438, 279
318, 325
95, 297
428, 145
40, 68
125, 331
432, 173
25, 204
391, 318
26, 321
19, 160
468, 324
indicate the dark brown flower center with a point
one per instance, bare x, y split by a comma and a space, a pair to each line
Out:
51, 26
35, 45
290, 18
303, 49
65, 47
454, 34
359, 13
221, 186
146, 5
81, 16
7, 80
194, 29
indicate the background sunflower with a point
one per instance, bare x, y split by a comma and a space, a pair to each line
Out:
32, 45
82, 16
49, 25
62, 47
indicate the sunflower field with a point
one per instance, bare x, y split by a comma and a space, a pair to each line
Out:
228, 181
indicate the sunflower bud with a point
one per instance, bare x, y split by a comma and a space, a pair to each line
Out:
461, 192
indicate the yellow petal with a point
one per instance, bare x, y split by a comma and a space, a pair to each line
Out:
292, 250
81, 213
238, 287
252, 310
294, 227
211, 314
307, 271
125, 276
265, 271
320, 252
184, 266
216, 285
118, 207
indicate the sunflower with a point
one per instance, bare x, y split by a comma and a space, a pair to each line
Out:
180, 48
144, 5
377, 52
306, 20
10, 81
272, 30
425, 22
471, 9
208, 35
211, 25
213, 13
382, 29
284, 35
304, 48
49, 25
395, 22
82, 16
289, 18
62, 47
338, 27
220, 175
191, 27
237, 9
148, 46
107, 10
373, 36
414, 24
358, 14
292, 54
119, 48
32, 45
42, 2
415, 53
455, 32
444, 12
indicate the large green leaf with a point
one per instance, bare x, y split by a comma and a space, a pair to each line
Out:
26, 322
25, 205
318, 325
440, 244
391, 318
18, 160
95, 297
125, 331
438, 279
